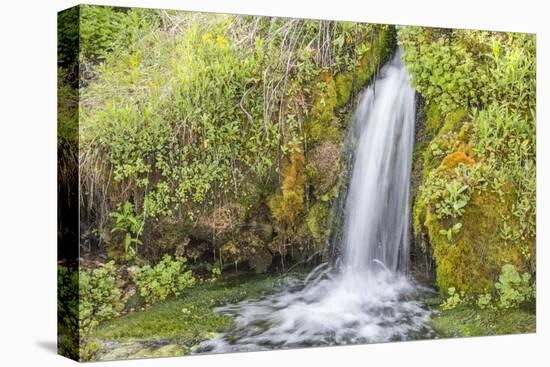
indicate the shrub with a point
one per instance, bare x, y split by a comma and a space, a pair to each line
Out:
168, 278
99, 296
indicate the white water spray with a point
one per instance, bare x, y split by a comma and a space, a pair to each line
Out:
369, 298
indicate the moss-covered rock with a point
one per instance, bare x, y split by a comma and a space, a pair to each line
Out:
471, 258
287, 205
219, 224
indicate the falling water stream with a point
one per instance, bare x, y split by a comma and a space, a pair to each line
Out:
368, 296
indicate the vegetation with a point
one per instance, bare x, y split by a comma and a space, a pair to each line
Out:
188, 319
465, 321
475, 206
99, 296
222, 130
169, 277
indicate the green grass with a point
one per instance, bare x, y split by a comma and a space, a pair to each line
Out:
189, 318
468, 320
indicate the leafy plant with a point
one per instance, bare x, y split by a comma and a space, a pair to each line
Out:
454, 299
131, 225
99, 296
484, 300
514, 288
455, 199
167, 278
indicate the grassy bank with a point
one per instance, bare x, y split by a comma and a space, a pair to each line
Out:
468, 320
173, 327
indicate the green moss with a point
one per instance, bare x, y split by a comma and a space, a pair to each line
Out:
344, 88
433, 119
317, 223
320, 125
472, 261
288, 205
419, 216
453, 121
189, 319
466, 320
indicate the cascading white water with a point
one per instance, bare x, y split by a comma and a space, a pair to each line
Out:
376, 223
369, 297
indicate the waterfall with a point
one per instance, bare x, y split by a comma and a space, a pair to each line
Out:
368, 298
377, 212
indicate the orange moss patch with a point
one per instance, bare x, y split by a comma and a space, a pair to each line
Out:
454, 159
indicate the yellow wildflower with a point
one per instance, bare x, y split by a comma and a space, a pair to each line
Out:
221, 41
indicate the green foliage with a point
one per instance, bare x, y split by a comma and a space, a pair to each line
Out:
67, 312
454, 299
479, 164
454, 200
443, 71
90, 350
99, 296
68, 36
167, 278
189, 121
484, 300
451, 231
127, 222
189, 112
104, 28
513, 288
